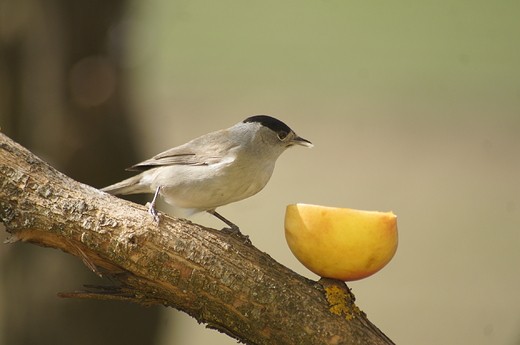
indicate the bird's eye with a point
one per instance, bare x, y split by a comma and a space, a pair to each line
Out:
282, 135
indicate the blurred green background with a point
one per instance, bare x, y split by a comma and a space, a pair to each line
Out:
412, 107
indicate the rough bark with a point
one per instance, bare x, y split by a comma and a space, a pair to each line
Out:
218, 278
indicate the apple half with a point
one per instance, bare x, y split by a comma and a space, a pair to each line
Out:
340, 243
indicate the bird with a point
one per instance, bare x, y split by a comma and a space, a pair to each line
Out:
214, 169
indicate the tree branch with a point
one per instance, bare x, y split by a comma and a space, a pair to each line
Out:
215, 277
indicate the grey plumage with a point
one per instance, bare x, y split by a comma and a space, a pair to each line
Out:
215, 169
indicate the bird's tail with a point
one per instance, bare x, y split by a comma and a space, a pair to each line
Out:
131, 185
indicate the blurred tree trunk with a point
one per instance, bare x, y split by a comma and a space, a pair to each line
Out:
62, 94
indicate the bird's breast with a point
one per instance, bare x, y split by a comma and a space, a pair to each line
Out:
207, 187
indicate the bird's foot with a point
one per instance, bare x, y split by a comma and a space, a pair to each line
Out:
233, 228
156, 215
235, 231
151, 207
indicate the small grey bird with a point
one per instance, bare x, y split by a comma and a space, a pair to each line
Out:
215, 169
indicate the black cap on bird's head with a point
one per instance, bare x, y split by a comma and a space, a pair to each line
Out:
269, 122
278, 127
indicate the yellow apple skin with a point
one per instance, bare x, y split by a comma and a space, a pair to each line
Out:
340, 243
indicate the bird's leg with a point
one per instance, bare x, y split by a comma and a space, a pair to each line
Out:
151, 207
234, 227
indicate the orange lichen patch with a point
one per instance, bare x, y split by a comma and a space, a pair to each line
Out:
339, 303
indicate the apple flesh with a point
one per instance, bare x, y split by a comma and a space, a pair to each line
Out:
340, 243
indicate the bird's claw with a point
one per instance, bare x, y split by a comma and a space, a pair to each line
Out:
151, 207
235, 231
156, 215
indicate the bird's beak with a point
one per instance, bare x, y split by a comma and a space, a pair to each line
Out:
302, 142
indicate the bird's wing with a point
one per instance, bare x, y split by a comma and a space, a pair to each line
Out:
205, 150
